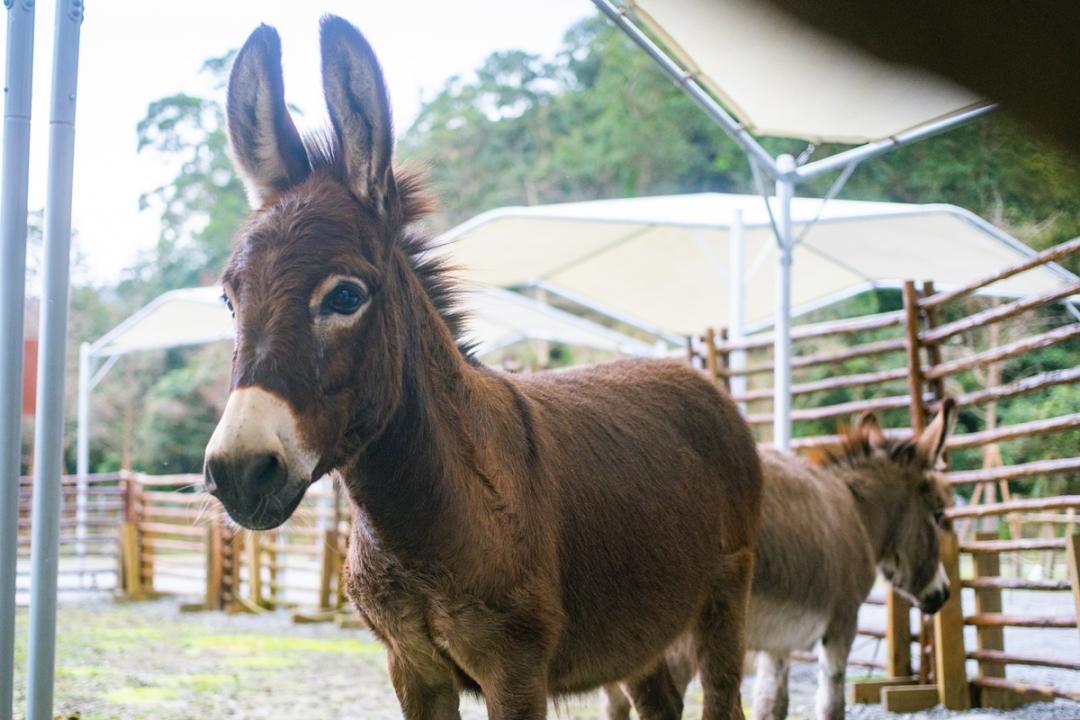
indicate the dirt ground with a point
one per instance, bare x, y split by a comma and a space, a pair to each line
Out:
149, 661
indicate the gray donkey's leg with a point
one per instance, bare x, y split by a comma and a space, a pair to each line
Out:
771, 686
832, 669
616, 705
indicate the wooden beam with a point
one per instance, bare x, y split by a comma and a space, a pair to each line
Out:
909, 698
865, 692
1072, 557
952, 684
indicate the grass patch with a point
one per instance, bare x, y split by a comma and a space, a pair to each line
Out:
141, 695
258, 644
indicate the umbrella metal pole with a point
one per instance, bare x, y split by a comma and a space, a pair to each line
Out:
48, 430
82, 453
737, 300
785, 191
13, 201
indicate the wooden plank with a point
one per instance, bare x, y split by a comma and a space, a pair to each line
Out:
828, 357
1049, 255
999, 546
1004, 352
909, 698
1072, 558
1003, 658
832, 383
171, 529
1020, 387
865, 692
821, 329
949, 655
1011, 472
1028, 621
1037, 692
997, 314
1003, 508
839, 409
1016, 583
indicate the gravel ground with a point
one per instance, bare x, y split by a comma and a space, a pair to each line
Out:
147, 660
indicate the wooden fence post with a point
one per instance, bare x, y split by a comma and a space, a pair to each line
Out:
898, 610
988, 600
1072, 559
326, 571
130, 550
950, 658
146, 559
214, 565
255, 579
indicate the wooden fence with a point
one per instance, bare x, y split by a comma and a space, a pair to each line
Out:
89, 515
905, 361
173, 538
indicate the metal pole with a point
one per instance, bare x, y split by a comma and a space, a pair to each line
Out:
48, 430
16, 170
737, 298
696, 92
873, 149
82, 456
785, 190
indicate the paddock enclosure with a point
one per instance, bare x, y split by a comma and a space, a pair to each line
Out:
951, 342
146, 536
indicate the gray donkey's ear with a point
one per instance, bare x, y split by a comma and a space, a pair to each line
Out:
931, 443
266, 146
360, 112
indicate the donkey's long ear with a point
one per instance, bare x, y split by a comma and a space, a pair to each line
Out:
360, 112
931, 443
264, 140
868, 427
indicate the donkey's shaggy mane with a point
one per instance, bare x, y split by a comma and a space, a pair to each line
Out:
415, 201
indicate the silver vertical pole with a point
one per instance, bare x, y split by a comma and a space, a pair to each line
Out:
16, 170
785, 190
48, 430
82, 455
737, 298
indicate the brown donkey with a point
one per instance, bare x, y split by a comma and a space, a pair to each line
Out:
521, 536
825, 527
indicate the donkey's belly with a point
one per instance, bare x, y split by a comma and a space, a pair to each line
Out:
781, 626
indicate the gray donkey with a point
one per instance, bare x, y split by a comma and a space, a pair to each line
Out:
871, 503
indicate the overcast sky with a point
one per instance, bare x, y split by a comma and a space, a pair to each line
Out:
135, 51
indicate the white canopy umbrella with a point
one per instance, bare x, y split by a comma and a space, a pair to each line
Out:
673, 265
783, 78
780, 77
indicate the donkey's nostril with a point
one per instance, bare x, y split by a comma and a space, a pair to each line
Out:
265, 472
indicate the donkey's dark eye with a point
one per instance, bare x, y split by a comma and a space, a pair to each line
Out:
345, 299
939, 516
228, 303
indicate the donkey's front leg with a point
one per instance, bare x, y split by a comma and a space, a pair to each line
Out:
832, 671
518, 690
425, 688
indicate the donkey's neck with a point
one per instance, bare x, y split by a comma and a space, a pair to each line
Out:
403, 482
874, 506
